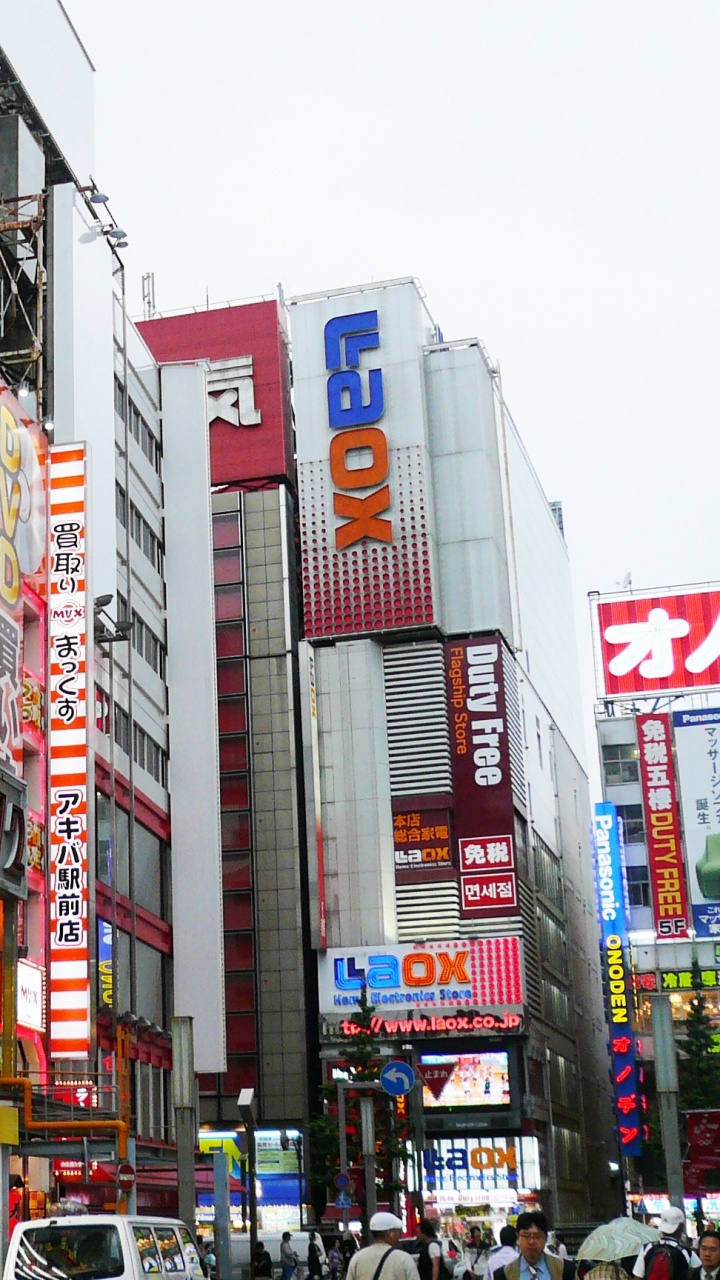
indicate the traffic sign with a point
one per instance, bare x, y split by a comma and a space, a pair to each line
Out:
125, 1177
436, 1076
342, 1200
342, 1181
397, 1078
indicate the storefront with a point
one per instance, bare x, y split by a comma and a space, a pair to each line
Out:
279, 1183
482, 1178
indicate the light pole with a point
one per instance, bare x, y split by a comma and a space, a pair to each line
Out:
248, 1114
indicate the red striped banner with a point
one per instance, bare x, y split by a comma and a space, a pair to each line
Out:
67, 613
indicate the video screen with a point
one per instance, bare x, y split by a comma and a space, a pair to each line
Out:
465, 1079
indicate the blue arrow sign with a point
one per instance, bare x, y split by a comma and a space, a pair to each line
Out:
397, 1078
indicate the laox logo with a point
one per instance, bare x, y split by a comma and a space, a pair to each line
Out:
418, 969
456, 1158
346, 337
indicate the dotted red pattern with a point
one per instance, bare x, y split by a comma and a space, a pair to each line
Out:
371, 586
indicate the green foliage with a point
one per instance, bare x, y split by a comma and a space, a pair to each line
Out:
363, 1065
698, 1066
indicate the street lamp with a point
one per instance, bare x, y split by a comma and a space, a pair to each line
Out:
248, 1114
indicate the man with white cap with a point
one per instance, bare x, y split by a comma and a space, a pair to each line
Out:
667, 1258
382, 1260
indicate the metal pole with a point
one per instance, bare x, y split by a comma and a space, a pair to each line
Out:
342, 1136
252, 1189
131, 1200
666, 1084
4, 1201
221, 1196
367, 1120
185, 1119
9, 986
552, 1165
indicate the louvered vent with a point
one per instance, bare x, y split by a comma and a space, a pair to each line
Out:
417, 719
427, 912
514, 727
532, 967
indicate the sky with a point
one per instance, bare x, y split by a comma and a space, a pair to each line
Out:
547, 170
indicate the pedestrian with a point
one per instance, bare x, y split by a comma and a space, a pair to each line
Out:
534, 1262
210, 1260
288, 1257
314, 1257
506, 1253
560, 1246
667, 1258
348, 1249
334, 1259
475, 1256
383, 1257
262, 1267
430, 1255
709, 1250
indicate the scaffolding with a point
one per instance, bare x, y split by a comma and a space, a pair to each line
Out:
22, 292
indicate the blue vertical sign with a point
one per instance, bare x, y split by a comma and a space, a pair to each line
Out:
105, 962
613, 912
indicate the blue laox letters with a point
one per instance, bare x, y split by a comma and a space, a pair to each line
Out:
346, 407
382, 971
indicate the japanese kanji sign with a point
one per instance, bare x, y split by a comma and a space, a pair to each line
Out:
662, 825
423, 845
697, 740
483, 811
69, 970
656, 643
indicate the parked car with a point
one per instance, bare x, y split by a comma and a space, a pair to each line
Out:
102, 1246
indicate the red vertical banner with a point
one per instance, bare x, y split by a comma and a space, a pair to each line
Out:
662, 824
69, 953
482, 790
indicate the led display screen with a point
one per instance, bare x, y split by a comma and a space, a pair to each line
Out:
465, 1079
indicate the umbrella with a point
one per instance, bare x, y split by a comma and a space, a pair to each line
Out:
621, 1238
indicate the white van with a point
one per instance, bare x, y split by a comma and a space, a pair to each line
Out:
101, 1246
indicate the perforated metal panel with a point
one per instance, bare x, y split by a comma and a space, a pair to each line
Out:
428, 911
529, 933
514, 727
417, 719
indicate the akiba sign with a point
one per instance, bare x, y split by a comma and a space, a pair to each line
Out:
473, 974
364, 516
482, 791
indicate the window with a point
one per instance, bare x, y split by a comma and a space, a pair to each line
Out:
141, 432
226, 529
633, 822
548, 878
120, 505
551, 941
148, 542
149, 755
538, 737
119, 398
170, 1249
148, 868
638, 886
81, 1248
150, 984
146, 1247
147, 644
122, 729
556, 1006
620, 763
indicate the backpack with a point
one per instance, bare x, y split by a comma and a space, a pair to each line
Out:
666, 1262
425, 1264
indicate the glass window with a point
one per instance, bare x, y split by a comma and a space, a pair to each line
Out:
121, 505
233, 754
172, 1255
620, 763
230, 641
237, 909
235, 829
226, 529
150, 1002
227, 567
74, 1249
240, 993
104, 837
148, 1250
191, 1252
148, 870
230, 678
234, 791
231, 715
633, 822
124, 1001
238, 951
236, 872
228, 603
122, 853
638, 886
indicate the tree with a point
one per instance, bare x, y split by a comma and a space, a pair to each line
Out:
362, 1066
698, 1062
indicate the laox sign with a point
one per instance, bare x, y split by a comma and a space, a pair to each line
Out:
418, 968
346, 337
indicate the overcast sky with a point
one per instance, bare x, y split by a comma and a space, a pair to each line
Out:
548, 170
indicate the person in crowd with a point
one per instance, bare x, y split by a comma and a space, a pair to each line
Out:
709, 1251
262, 1267
534, 1262
288, 1256
560, 1246
653, 1257
506, 1253
348, 1247
334, 1259
430, 1255
475, 1255
382, 1258
314, 1257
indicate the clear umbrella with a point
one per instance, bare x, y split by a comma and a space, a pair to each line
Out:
621, 1238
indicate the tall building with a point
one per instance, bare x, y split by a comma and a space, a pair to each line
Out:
447, 801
